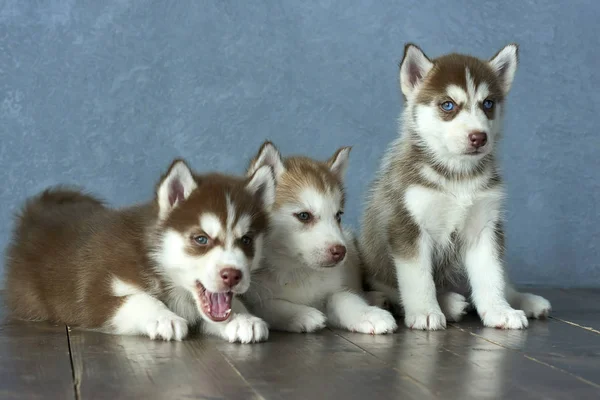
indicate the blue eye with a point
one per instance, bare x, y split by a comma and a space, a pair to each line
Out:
304, 216
488, 104
201, 240
447, 106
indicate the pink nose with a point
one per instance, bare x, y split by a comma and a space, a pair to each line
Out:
231, 276
478, 139
337, 253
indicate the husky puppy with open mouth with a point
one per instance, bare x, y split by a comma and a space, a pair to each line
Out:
310, 275
151, 269
433, 223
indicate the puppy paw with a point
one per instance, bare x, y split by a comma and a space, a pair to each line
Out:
377, 299
167, 326
432, 320
310, 320
504, 318
375, 322
453, 305
246, 328
535, 306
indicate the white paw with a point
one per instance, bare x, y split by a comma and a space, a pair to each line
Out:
453, 305
504, 318
535, 306
376, 299
167, 326
375, 321
308, 321
431, 321
246, 328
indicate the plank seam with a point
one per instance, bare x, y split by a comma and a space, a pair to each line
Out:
525, 355
76, 380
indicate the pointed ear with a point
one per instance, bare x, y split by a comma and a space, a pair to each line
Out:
262, 184
338, 163
267, 155
414, 67
505, 64
174, 187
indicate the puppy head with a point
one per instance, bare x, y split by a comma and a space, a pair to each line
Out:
210, 233
309, 204
455, 102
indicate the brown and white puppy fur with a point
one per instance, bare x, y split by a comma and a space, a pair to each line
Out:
433, 221
150, 269
310, 275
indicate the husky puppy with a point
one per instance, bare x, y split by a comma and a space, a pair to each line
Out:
310, 275
150, 269
435, 208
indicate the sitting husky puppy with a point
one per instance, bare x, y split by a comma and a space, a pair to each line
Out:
435, 206
310, 275
151, 269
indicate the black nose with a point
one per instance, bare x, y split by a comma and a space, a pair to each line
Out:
478, 139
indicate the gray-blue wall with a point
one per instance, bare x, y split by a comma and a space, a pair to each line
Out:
105, 93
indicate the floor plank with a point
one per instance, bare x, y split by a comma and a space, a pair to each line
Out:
34, 360
562, 346
125, 367
456, 365
319, 366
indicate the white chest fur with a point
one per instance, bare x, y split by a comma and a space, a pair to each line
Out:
306, 286
460, 208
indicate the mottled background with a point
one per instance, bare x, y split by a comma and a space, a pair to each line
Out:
105, 93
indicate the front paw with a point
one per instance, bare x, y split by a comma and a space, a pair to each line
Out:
453, 305
504, 318
167, 326
535, 306
431, 320
246, 328
308, 321
375, 321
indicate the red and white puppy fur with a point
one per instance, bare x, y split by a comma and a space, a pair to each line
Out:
433, 221
310, 275
150, 269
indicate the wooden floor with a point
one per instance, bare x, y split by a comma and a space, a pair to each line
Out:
554, 359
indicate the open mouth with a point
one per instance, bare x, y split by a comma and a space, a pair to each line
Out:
216, 306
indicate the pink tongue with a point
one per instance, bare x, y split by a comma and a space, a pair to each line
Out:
220, 303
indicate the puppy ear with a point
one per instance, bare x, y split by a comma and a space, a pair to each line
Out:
415, 65
267, 155
174, 187
262, 184
504, 64
338, 163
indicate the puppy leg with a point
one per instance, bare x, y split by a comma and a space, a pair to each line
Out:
533, 305
286, 316
417, 288
241, 326
142, 314
486, 276
349, 311
376, 299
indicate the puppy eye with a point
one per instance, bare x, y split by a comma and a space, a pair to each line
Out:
488, 104
246, 240
447, 106
304, 216
338, 216
201, 240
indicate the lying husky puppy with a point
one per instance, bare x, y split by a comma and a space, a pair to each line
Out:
151, 269
310, 275
436, 204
